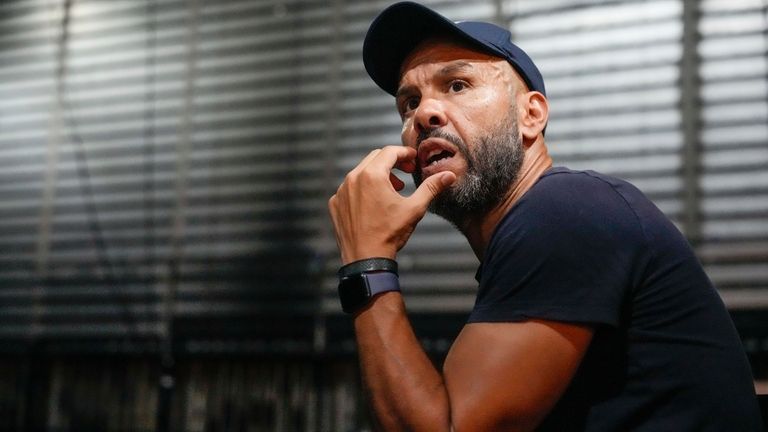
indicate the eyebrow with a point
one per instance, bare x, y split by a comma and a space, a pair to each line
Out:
457, 66
401, 91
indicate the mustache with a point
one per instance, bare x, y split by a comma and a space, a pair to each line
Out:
439, 133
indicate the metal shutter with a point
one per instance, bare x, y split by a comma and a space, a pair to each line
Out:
212, 133
183, 174
734, 156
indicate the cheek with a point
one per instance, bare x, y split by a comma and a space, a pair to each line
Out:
406, 133
474, 118
491, 102
487, 109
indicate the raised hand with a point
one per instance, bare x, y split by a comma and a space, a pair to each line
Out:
370, 217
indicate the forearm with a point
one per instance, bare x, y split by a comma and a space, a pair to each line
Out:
405, 389
371, 219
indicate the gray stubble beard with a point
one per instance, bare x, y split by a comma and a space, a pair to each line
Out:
493, 166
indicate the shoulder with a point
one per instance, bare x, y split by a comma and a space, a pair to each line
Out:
563, 185
570, 220
567, 251
573, 202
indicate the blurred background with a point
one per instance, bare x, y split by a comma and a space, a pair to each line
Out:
166, 261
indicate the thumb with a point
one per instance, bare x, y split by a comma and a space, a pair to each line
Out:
431, 187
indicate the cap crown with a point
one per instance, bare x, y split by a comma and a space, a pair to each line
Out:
402, 26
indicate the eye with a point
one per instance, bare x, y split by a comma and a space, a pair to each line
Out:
458, 85
410, 104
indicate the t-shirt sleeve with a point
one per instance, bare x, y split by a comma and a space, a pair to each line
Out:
569, 251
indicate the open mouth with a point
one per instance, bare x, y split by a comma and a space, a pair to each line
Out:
437, 155
434, 152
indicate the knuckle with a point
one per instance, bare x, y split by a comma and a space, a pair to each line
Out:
365, 174
349, 178
368, 176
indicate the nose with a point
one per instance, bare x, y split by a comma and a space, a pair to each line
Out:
429, 115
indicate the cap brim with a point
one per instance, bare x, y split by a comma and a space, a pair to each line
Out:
396, 32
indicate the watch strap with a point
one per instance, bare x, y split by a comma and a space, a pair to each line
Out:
375, 264
357, 290
382, 282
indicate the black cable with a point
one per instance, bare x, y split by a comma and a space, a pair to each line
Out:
83, 172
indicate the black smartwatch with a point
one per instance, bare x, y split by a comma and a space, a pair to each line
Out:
357, 290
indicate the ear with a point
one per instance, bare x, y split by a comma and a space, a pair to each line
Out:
534, 113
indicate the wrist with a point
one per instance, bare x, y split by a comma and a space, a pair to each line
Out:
360, 281
368, 265
350, 257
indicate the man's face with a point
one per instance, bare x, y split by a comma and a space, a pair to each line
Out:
458, 110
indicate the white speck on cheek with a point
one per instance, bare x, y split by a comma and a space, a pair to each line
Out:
493, 72
404, 133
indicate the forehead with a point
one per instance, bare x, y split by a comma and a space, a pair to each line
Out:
433, 51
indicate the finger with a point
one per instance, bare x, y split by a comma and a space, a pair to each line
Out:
396, 182
431, 187
390, 156
366, 160
407, 165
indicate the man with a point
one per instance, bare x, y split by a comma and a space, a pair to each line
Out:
592, 312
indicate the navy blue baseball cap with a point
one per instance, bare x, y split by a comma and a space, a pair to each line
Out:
400, 27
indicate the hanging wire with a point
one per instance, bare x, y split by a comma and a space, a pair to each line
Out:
71, 131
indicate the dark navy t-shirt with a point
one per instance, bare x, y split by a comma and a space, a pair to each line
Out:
581, 247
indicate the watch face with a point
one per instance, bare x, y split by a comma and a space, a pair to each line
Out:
354, 292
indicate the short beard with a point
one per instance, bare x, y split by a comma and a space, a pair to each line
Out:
493, 166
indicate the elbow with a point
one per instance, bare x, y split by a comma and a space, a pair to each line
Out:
483, 417
427, 418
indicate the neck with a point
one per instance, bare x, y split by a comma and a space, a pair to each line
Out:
535, 162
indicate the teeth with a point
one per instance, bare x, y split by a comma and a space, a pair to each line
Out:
434, 152
434, 156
